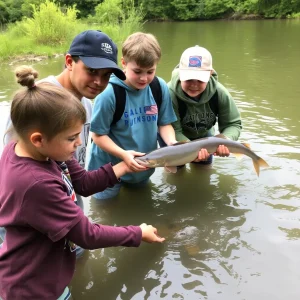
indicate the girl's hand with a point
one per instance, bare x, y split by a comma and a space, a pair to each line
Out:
149, 234
202, 155
133, 166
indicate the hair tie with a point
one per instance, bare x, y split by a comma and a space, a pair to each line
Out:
34, 85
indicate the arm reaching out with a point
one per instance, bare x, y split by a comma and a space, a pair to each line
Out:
149, 234
107, 144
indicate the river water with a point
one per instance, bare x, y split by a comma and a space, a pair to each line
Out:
230, 235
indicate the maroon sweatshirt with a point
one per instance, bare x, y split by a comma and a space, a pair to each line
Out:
37, 259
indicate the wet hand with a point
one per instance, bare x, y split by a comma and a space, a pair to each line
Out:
202, 155
222, 151
149, 234
133, 166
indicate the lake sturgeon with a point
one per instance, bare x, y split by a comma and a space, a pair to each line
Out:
184, 152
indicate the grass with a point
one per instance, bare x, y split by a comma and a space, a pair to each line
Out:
12, 45
50, 31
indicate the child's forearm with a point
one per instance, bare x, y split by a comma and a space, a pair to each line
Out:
168, 134
121, 169
86, 183
93, 236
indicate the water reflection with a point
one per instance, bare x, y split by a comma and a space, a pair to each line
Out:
201, 222
122, 272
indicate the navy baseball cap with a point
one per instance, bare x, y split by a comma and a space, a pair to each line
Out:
97, 51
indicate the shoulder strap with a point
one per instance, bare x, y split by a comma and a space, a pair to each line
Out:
156, 91
214, 103
120, 96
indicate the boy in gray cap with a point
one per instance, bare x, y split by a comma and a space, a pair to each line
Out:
200, 100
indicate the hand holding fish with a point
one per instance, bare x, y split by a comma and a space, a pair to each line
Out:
222, 151
203, 155
149, 234
133, 165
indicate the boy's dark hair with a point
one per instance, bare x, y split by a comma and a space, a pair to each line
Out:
45, 107
75, 58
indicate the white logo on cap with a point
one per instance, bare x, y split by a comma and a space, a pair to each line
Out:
106, 48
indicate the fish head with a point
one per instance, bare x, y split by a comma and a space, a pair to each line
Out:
146, 162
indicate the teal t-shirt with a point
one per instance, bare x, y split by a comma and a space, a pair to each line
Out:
136, 130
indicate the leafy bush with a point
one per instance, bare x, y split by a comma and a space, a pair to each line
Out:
108, 12
294, 16
49, 25
117, 18
28, 5
17, 29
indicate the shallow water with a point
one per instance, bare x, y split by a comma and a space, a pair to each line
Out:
230, 235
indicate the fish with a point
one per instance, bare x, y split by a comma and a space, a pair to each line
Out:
185, 152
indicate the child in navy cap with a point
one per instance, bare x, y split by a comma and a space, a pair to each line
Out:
89, 62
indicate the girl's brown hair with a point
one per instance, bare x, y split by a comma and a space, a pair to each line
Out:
142, 48
44, 107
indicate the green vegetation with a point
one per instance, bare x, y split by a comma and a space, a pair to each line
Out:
49, 25
51, 28
14, 10
121, 18
213, 9
46, 27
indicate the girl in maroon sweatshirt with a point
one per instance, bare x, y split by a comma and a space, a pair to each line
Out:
39, 179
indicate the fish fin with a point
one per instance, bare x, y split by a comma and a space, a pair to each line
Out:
170, 169
238, 156
180, 143
246, 145
221, 136
259, 163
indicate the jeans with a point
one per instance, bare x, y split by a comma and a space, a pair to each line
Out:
79, 250
2, 235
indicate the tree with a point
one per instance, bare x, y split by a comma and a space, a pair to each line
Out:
188, 9
27, 7
4, 14
14, 9
85, 7
156, 9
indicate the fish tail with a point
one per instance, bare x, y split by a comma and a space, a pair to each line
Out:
259, 163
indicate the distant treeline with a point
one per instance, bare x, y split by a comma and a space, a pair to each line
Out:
163, 10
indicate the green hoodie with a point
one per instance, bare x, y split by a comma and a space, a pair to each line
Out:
199, 119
